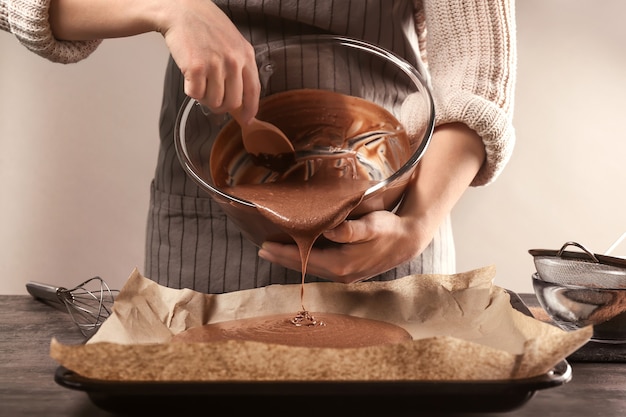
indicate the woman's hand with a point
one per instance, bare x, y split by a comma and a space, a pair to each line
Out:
217, 62
382, 240
373, 244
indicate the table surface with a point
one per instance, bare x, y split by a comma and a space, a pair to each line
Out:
27, 386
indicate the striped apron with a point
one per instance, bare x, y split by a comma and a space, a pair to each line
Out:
190, 242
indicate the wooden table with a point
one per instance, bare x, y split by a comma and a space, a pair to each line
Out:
27, 387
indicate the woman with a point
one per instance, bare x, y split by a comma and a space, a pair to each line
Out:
467, 48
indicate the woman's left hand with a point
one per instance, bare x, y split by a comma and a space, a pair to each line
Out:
381, 240
371, 245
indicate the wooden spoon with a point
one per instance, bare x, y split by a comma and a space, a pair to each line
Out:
268, 145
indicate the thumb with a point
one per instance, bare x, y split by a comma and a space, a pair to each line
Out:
349, 231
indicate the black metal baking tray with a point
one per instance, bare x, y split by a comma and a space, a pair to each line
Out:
302, 398
315, 398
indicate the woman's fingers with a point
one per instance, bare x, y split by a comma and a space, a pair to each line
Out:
362, 248
218, 64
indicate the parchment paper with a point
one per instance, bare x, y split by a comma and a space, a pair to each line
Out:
463, 327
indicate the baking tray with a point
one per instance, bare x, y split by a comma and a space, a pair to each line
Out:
300, 398
315, 398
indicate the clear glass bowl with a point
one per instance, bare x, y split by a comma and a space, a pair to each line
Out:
583, 301
328, 63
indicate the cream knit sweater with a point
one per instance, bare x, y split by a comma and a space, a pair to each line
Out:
28, 21
469, 46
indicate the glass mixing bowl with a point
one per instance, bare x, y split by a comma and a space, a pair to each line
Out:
372, 77
584, 302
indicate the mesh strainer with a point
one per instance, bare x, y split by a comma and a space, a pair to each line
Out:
580, 288
580, 268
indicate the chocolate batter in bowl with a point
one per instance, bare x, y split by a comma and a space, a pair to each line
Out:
343, 103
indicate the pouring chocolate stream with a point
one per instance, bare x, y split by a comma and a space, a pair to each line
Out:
305, 210
343, 151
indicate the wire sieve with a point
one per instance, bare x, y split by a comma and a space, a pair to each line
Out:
88, 304
576, 268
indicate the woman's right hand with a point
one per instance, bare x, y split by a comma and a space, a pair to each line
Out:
217, 62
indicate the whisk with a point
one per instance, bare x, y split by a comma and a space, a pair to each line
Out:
89, 303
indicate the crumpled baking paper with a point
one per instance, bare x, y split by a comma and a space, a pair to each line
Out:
463, 327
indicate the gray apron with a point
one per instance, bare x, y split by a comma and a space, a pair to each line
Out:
190, 243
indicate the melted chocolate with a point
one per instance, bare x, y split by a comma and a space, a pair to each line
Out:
344, 145
339, 331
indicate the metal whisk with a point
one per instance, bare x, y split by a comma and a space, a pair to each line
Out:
88, 304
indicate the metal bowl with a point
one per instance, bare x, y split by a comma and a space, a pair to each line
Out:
324, 63
584, 300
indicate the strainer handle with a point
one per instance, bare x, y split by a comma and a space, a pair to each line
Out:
578, 245
615, 244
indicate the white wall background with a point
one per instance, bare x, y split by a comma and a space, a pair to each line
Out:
78, 146
567, 177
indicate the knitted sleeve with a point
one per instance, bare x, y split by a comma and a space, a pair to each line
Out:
471, 56
28, 21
